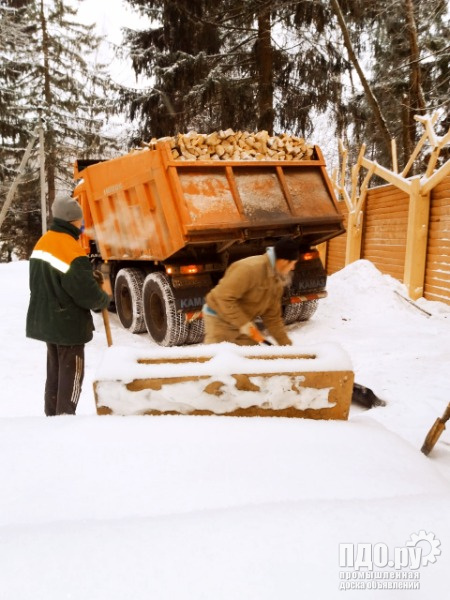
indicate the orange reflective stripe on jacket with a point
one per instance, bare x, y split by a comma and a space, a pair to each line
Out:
59, 255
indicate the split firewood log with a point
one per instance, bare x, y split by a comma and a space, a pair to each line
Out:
236, 145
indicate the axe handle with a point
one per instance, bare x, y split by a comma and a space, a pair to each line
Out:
105, 316
446, 416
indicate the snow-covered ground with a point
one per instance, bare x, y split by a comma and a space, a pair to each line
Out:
106, 508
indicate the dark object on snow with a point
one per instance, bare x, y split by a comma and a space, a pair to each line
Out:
425, 312
435, 432
365, 397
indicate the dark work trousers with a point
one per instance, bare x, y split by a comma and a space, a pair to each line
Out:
65, 372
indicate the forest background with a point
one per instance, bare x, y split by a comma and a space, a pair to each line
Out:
358, 69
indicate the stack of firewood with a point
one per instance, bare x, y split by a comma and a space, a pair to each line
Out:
236, 145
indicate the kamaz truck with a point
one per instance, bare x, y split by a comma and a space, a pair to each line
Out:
163, 231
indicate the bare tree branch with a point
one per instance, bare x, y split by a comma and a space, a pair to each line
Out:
372, 100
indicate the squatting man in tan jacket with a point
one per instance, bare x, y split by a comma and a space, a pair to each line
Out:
251, 287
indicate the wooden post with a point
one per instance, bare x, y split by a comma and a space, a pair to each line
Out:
354, 237
344, 154
394, 155
436, 178
356, 214
416, 240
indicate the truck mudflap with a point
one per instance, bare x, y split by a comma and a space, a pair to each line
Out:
307, 297
193, 315
299, 307
190, 300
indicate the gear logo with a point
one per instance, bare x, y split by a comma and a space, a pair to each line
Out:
429, 545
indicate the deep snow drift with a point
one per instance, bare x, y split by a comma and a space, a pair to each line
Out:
217, 507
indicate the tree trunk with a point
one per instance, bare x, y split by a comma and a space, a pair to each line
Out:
417, 99
371, 99
406, 138
264, 55
49, 141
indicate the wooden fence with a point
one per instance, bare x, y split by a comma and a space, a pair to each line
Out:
384, 234
437, 269
403, 227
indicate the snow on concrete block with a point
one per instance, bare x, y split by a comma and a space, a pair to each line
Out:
224, 379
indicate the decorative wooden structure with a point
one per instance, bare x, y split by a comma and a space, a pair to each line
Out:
407, 227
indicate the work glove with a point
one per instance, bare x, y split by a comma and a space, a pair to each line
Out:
98, 276
252, 332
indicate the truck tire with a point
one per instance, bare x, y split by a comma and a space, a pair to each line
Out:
196, 332
301, 311
292, 313
308, 309
128, 299
164, 324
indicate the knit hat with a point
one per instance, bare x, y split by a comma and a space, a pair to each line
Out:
287, 248
67, 209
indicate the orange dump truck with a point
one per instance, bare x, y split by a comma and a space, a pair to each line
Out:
164, 231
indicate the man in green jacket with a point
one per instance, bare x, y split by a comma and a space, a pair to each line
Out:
63, 290
251, 287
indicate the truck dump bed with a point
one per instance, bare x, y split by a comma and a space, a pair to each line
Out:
148, 206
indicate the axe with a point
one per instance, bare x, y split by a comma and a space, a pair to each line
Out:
435, 432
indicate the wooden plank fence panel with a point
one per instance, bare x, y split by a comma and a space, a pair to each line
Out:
442, 194
385, 227
437, 272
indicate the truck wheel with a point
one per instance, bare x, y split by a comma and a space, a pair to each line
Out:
164, 324
292, 312
196, 331
308, 309
128, 299
301, 311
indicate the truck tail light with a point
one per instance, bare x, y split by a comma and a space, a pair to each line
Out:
309, 255
184, 269
190, 269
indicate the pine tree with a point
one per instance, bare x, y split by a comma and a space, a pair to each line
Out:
13, 42
58, 79
405, 49
68, 89
248, 64
13, 127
